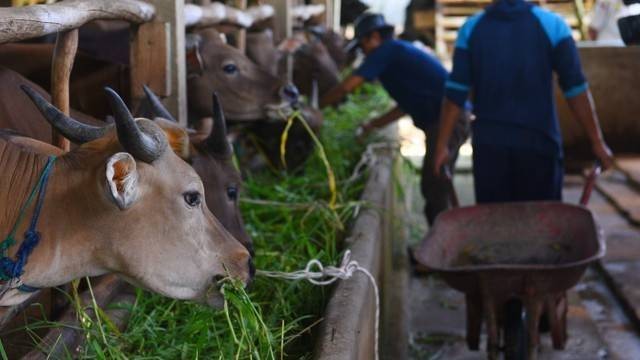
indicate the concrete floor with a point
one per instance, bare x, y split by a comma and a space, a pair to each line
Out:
599, 326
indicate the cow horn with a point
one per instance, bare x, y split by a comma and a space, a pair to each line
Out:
70, 128
156, 105
144, 146
217, 140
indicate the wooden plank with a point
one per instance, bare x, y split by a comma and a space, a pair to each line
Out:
631, 168
171, 13
283, 27
28, 22
621, 196
150, 60
241, 35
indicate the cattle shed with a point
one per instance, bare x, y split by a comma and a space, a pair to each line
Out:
238, 179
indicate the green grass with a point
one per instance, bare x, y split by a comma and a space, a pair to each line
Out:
291, 221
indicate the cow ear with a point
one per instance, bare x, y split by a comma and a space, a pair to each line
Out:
122, 180
195, 66
177, 137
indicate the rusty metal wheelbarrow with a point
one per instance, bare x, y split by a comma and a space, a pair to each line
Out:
514, 262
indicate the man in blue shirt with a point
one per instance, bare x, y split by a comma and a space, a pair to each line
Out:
415, 80
506, 56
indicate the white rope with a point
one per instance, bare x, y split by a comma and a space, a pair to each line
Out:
320, 275
369, 158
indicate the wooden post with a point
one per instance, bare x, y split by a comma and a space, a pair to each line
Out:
63, 56
241, 35
336, 5
151, 43
283, 26
331, 13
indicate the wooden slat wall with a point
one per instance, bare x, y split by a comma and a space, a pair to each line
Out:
450, 15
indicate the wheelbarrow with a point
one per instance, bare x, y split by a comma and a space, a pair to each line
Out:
514, 262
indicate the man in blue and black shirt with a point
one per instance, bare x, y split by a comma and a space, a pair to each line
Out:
415, 80
505, 56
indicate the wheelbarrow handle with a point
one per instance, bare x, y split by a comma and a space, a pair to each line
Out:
590, 183
448, 175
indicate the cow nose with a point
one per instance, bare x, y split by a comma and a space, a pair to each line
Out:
290, 93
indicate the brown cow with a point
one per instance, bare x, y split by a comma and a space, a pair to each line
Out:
311, 59
120, 203
207, 150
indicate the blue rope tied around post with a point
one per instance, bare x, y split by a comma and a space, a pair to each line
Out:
12, 269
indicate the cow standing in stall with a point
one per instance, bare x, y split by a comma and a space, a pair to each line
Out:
206, 148
103, 190
255, 101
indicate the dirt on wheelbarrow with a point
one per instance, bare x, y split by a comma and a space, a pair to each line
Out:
511, 253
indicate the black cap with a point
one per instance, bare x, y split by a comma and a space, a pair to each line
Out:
365, 24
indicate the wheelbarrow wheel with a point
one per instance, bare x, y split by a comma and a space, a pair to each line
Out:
515, 332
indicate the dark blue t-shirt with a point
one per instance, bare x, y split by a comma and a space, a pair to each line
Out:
506, 57
413, 78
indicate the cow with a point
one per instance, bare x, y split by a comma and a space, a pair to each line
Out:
122, 202
252, 97
312, 62
210, 154
206, 148
250, 94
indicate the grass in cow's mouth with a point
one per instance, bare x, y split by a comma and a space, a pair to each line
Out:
291, 221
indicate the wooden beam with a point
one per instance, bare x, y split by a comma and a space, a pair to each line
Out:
33, 21
150, 62
160, 46
64, 54
283, 26
241, 35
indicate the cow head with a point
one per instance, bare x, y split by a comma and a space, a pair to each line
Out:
248, 92
141, 208
312, 61
209, 152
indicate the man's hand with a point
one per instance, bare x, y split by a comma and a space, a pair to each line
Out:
440, 159
604, 154
448, 118
583, 109
336, 94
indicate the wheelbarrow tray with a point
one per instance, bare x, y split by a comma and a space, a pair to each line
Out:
515, 249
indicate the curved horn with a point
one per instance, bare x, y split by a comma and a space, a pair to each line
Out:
156, 105
217, 140
73, 130
146, 147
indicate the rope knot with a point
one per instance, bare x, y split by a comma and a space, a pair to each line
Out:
318, 274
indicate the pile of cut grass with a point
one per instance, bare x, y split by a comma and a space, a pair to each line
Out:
291, 222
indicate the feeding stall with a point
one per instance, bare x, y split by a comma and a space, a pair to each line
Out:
319, 213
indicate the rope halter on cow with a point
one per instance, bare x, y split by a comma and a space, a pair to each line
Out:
12, 269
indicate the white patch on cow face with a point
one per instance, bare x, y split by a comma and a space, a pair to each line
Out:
122, 179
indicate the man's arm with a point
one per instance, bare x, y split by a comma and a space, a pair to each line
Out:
450, 115
382, 121
336, 94
583, 110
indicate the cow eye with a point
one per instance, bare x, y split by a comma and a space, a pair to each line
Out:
232, 193
192, 198
230, 69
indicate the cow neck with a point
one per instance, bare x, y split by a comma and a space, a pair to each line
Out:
64, 253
